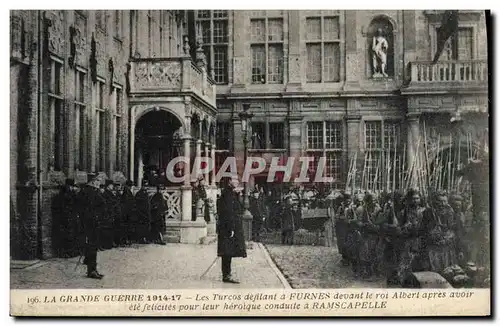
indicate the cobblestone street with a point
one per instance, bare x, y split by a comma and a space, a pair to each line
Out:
317, 267
152, 267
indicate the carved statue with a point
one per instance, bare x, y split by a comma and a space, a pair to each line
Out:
380, 47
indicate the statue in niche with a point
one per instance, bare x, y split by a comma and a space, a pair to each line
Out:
380, 48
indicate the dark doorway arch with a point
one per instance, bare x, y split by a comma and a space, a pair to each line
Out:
155, 145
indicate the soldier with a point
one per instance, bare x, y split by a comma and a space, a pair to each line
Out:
93, 210
459, 217
287, 222
439, 224
410, 254
66, 220
143, 211
127, 212
344, 213
368, 213
112, 213
230, 238
158, 211
257, 210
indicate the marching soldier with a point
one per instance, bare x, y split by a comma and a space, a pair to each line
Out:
367, 253
344, 214
158, 211
257, 210
93, 211
439, 224
143, 210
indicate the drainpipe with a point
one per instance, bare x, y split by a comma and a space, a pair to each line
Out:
39, 130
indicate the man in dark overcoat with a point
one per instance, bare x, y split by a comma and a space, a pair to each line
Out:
93, 208
143, 209
112, 213
158, 211
230, 237
287, 222
127, 210
257, 210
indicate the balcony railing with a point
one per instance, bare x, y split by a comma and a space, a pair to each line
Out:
449, 73
170, 75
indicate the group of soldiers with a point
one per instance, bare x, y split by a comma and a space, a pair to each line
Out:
395, 235
121, 218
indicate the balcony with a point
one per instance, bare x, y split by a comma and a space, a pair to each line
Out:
170, 77
448, 75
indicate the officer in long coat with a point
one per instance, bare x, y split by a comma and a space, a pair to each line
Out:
93, 209
143, 210
158, 211
127, 211
257, 210
288, 222
230, 237
112, 213
66, 220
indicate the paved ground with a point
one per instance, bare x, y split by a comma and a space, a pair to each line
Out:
152, 267
317, 267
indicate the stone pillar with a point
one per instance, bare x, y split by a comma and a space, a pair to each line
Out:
212, 154
140, 168
354, 146
207, 155
413, 147
353, 68
186, 188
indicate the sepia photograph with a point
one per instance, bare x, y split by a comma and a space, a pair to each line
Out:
246, 162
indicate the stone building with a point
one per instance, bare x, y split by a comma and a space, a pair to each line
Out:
107, 92
123, 92
308, 77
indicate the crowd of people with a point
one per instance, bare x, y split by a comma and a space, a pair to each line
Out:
101, 215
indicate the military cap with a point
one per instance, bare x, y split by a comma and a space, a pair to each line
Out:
70, 182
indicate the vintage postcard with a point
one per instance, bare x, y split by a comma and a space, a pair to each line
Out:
249, 163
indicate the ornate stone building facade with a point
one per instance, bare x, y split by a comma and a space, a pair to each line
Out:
85, 88
313, 81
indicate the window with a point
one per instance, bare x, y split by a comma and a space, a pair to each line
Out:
383, 155
214, 34
118, 29
268, 135
100, 19
325, 138
100, 135
118, 111
224, 135
267, 50
57, 114
81, 117
459, 46
323, 49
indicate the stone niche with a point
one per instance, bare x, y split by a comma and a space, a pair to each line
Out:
380, 34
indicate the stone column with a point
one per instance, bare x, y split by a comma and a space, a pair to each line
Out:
186, 188
353, 145
207, 155
212, 154
212, 194
140, 166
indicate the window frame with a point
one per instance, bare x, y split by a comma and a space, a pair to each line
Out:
267, 44
80, 118
99, 123
267, 135
57, 113
324, 41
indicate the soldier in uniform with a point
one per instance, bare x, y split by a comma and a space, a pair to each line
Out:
158, 211
439, 225
460, 234
230, 237
127, 229
112, 213
143, 212
344, 213
410, 254
287, 221
257, 210
93, 211
66, 220
368, 214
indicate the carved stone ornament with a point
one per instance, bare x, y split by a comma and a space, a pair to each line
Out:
102, 63
56, 32
80, 42
120, 65
158, 74
18, 46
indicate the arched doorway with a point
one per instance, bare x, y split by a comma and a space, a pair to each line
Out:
155, 145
